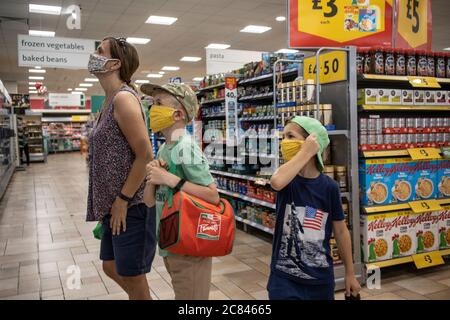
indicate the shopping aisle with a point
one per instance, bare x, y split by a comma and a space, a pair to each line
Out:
43, 232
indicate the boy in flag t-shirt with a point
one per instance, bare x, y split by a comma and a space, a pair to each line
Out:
308, 211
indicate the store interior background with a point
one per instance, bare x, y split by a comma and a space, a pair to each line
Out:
42, 228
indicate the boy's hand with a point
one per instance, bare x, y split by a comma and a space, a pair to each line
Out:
352, 286
153, 164
311, 146
160, 176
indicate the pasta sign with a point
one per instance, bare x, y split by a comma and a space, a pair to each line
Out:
340, 23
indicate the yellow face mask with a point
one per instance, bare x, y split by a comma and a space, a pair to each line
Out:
289, 148
161, 117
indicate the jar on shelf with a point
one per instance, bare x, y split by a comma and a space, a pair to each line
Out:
299, 92
310, 88
360, 53
422, 63
400, 62
326, 114
329, 171
440, 65
411, 62
431, 64
378, 55
341, 177
389, 62
280, 93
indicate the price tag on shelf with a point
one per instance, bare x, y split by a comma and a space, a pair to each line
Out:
428, 259
425, 206
424, 153
424, 82
333, 67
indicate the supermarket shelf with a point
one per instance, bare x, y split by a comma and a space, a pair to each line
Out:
267, 77
394, 262
249, 199
338, 133
240, 176
224, 158
59, 111
213, 101
261, 118
265, 156
260, 96
254, 224
399, 206
388, 153
219, 85
217, 115
405, 108
394, 78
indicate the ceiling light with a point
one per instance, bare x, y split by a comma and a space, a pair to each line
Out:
280, 18
161, 72
138, 40
287, 51
33, 91
31, 88
161, 20
197, 79
77, 92
142, 81
38, 8
191, 59
35, 78
37, 67
170, 68
69, 89
81, 89
90, 80
85, 84
36, 70
447, 49
40, 33
154, 75
31, 83
217, 46
255, 29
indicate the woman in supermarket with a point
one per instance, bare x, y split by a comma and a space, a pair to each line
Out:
309, 211
119, 150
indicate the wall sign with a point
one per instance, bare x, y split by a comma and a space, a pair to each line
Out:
414, 24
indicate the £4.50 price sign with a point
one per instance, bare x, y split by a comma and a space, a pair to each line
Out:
333, 67
414, 24
340, 22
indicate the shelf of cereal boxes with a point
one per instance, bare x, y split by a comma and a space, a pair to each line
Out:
403, 260
388, 153
403, 206
404, 107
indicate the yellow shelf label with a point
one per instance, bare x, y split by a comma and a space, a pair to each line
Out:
428, 259
333, 67
424, 82
424, 153
425, 206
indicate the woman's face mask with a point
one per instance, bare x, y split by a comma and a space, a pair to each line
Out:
289, 148
97, 63
161, 117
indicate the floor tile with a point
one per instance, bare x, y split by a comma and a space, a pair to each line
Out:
421, 285
441, 295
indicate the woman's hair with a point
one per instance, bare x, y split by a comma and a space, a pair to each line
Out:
128, 56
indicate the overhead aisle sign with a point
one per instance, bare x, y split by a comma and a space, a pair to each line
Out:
340, 23
414, 24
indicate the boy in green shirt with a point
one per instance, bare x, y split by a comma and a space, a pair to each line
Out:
174, 106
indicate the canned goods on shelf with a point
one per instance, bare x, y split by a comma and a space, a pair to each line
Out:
403, 138
387, 139
439, 137
434, 122
440, 122
425, 137
380, 139
379, 125
363, 138
446, 122
372, 138
372, 124
410, 122
426, 122
395, 138
411, 138
418, 123
394, 122
387, 122
401, 122
363, 124
432, 137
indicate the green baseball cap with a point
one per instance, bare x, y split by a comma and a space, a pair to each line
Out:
313, 126
182, 92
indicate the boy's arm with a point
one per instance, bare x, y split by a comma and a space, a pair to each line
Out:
207, 193
344, 244
284, 174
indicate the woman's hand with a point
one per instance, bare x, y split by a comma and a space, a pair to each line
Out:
352, 286
118, 216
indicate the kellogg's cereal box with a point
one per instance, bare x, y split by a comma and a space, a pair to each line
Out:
386, 181
443, 178
426, 186
444, 228
427, 231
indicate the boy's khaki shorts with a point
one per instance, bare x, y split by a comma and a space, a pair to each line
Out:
191, 276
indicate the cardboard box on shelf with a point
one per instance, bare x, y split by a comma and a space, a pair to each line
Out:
441, 97
419, 97
444, 228
383, 96
427, 231
426, 183
395, 97
430, 97
407, 97
368, 96
443, 178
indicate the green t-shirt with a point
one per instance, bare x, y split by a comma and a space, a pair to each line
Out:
191, 165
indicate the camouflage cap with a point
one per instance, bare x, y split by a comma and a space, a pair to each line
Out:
182, 92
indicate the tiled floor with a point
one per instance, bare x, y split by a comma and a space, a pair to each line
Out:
43, 233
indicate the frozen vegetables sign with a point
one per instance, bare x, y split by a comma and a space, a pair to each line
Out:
340, 22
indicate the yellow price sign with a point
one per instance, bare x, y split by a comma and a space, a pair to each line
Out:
425, 206
333, 67
424, 153
428, 259
413, 21
424, 82
76, 118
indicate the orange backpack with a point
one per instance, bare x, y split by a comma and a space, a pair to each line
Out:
193, 227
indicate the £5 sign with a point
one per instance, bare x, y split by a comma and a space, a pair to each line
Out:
414, 22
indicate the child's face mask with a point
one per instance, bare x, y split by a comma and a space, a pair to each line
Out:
289, 148
161, 117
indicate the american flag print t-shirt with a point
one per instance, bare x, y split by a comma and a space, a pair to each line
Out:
306, 209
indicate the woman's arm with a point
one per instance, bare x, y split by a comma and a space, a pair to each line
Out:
344, 243
284, 174
128, 115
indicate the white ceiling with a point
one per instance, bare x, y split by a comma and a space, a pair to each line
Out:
200, 22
